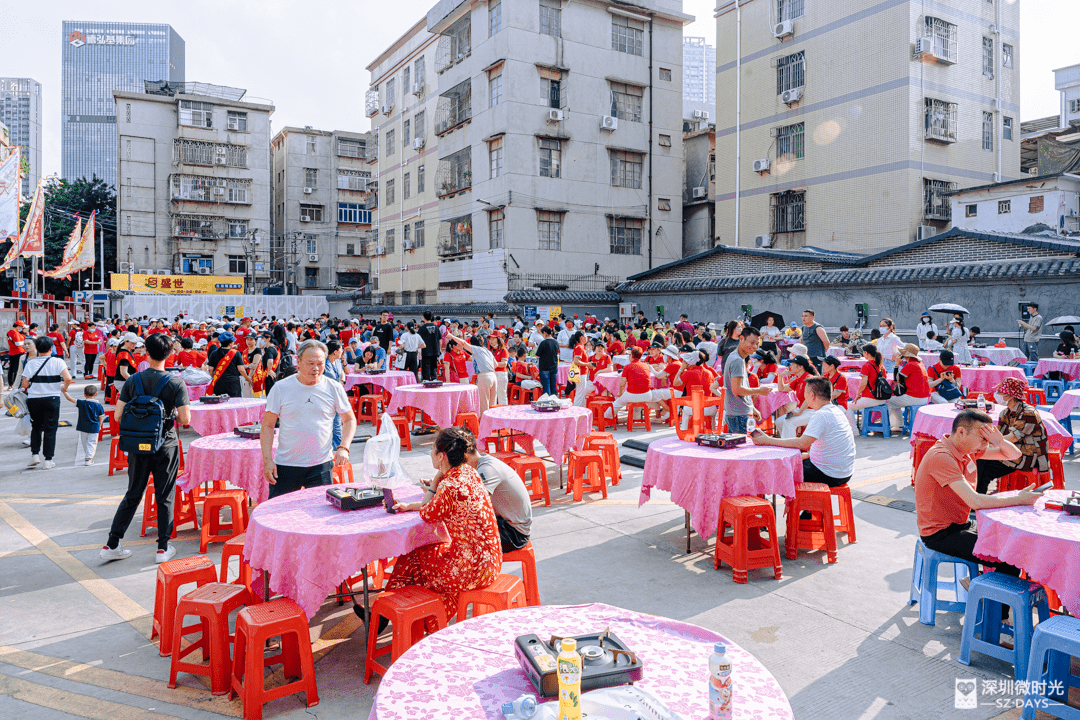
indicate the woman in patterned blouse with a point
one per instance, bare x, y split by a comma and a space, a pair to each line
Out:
1021, 425
473, 557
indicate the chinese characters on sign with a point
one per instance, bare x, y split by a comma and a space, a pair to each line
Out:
78, 39
178, 284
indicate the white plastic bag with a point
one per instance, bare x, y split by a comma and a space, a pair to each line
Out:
381, 455
194, 376
23, 426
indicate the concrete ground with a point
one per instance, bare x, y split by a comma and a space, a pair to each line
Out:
840, 639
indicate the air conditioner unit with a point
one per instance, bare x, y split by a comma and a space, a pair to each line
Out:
147, 271
234, 123
220, 160
204, 271
554, 115
418, 88
417, 143
761, 165
386, 109
125, 267
380, 250
312, 258
219, 149
307, 191
701, 115
793, 95
924, 46
925, 231
408, 244
609, 122
783, 29
763, 241
220, 183
219, 191
162, 272
699, 192
305, 218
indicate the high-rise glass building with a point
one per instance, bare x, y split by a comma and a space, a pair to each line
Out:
699, 71
20, 110
98, 57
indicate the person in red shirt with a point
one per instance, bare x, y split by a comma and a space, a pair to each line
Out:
91, 344
200, 334
766, 368
655, 355
187, 356
601, 361
15, 339
455, 364
944, 379
636, 386
527, 375
673, 364
59, 346
872, 369
614, 345
915, 382
696, 377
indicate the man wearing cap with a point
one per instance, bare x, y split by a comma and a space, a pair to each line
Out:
15, 340
916, 385
1032, 332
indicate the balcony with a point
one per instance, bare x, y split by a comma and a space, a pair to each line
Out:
454, 173
454, 108
936, 204
371, 103
455, 238
455, 44
940, 121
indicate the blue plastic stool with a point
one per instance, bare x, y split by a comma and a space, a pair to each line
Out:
1060, 638
1072, 385
1029, 368
882, 426
1035, 382
1054, 390
909, 414
924, 582
1066, 423
987, 594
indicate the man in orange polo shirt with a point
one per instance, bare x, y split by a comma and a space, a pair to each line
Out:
945, 487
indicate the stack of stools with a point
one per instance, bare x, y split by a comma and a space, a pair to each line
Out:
213, 530
1055, 642
924, 582
585, 466
817, 533
745, 548
254, 626
407, 609
212, 604
603, 411
537, 480
527, 557
987, 593
608, 448
506, 592
171, 576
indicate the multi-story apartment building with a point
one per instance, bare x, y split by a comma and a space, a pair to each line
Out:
20, 110
844, 125
321, 187
699, 190
699, 73
402, 103
193, 195
98, 57
560, 143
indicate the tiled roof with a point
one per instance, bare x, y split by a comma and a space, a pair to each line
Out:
807, 254
444, 310
530, 297
1044, 242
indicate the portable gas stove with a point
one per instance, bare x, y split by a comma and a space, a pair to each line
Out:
606, 662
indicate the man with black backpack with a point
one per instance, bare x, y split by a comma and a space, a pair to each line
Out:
150, 406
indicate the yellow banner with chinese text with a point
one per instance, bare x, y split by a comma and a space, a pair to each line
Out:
178, 284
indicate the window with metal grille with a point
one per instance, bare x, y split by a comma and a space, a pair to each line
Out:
390, 142
1006, 55
788, 211
495, 156
235, 156
311, 147
624, 235
237, 264
789, 9
418, 234
454, 45
627, 35
350, 148
421, 297
353, 213
391, 91
550, 158
419, 129
626, 168
405, 127
1007, 128
389, 243
419, 71
944, 35
496, 219
353, 179
791, 142
495, 89
237, 229
311, 213
988, 57
790, 72
551, 18
454, 173
406, 236
350, 249
626, 101
193, 187
193, 152
1004, 207
940, 120
311, 177
237, 121
389, 192
311, 277
936, 205
988, 131
405, 82
454, 108
1074, 106
549, 228
196, 114
405, 189
194, 226
494, 17
420, 179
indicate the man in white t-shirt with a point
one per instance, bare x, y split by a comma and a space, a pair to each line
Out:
828, 444
305, 404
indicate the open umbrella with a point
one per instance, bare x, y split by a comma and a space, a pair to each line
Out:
759, 319
949, 308
1065, 320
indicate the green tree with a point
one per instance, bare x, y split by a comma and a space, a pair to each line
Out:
24, 164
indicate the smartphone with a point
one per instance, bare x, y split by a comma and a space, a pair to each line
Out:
388, 500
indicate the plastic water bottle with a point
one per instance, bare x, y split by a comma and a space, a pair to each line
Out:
719, 684
521, 709
569, 664
981, 404
750, 425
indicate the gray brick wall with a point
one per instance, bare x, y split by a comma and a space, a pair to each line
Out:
732, 265
963, 249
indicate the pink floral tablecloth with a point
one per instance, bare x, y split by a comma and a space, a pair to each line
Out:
849, 364
218, 418
309, 546
226, 457
1069, 400
836, 352
557, 431
1044, 543
698, 478
562, 376
620, 360
985, 379
999, 356
468, 670
442, 404
197, 391
387, 380
768, 404
930, 358
610, 381
935, 420
1069, 367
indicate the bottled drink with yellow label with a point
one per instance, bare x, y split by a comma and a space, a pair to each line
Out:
569, 681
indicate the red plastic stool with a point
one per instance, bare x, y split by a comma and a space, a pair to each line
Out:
513, 394
212, 604
369, 408
470, 420
609, 449
1057, 469
922, 444
819, 532
745, 549
537, 481
1036, 396
407, 609
171, 576
527, 557
585, 465
149, 514
234, 547
254, 626
212, 529
342, 474
600, 406
184, 509
631, 422
109, 427
117, 458
506, 592
401, 424
845, 518
202, 490
1017, 480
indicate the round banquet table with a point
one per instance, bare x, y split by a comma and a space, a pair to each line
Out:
563, 375
1044, 543
854, 379
699, 477
610, 381
935, 420
557, 431
309, 546
1069, 400
387, 380
985, 379
929, 358
836, 351
620, 360
768, 404
197, 391
212, 419
999, 356
468, 670
226, 457
442, 404
1069, 367
849, 364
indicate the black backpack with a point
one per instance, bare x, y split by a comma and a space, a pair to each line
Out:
881, 390
143, 423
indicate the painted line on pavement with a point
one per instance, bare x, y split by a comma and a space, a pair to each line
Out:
73, 703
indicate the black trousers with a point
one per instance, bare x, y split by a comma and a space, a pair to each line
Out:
958, 540
13, 368
163, 465
509, 537
428, 366
989, 470
811, 473
290, 479
228, 385
88, 368
44, 419
411, 362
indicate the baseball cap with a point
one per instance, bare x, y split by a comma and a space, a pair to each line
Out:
226, 337
129, 337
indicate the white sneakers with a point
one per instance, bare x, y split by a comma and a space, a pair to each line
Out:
35, 460
118, 553
48, 465
88, 461
165, 555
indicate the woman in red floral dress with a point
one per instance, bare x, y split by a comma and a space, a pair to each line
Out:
473, 557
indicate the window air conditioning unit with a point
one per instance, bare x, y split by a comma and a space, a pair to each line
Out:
220, 160
386, 109
699, 192
312, 258
408, 245
793, 95
924, 46
124, 267
219, 149
554, 115
783, 29
234, 123
925, 231
147, 271
609, 122
305, 218
219, 191
204, 271
763, 241
380, 249
220, 183
701, 115
761, 165
418, 88
307, 191
417, 143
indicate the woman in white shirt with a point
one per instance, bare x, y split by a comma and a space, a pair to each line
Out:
888, 344
926, 325
958, 341
45, 379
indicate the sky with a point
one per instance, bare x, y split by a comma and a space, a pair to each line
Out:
309, 57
